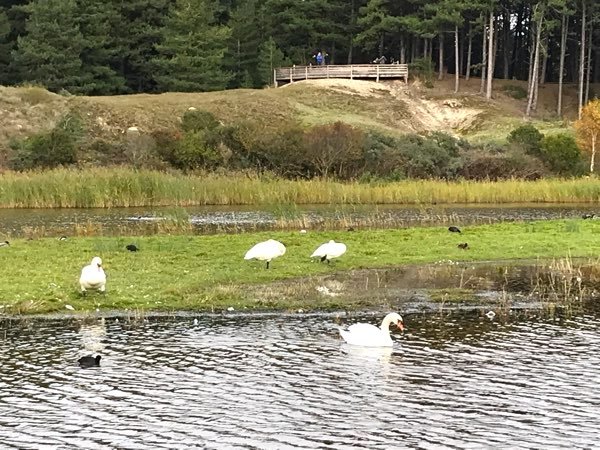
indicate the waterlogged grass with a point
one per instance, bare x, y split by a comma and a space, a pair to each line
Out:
121, 187
208, 272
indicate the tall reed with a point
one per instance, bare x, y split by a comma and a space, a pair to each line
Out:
121, 187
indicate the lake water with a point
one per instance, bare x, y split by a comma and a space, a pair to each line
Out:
208, 219
456, 379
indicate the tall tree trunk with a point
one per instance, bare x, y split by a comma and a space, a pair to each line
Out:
352, 25
517, 40
461, 58
563, 48
596, 66
490, 68
425, 48
483, 55
505, 41
456, 57
593, 155
402, 49
532, 94
589, 64
469, 51
544, 62
581, 58
441, 56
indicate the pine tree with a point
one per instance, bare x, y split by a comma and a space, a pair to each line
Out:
269, 58
5, 47
50, 52
137, 29
96, 18
242, 55
191, 54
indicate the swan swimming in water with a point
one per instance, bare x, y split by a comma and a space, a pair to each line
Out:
367, 335
93, 276
329, 250
266, 251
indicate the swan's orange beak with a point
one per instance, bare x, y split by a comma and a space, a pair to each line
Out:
400, 326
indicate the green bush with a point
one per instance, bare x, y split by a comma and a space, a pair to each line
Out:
422, 68
527, 138
561, 154
58, 147
196, 120
194, 151
515, 91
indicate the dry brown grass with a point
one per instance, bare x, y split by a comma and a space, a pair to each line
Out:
390, 106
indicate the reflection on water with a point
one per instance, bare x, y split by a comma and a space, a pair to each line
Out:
207, 219
456, 380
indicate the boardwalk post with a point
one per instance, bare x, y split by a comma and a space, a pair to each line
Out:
377, 73
291, 75
306, 73
351, 72
327, 71
275, 77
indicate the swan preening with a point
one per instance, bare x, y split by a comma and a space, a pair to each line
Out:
329, 250
93, 276
367, 335
266, 251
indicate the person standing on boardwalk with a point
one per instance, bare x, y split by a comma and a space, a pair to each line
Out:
319, 59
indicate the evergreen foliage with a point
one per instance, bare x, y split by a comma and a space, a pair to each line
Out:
192, 49
50, 52
112, 47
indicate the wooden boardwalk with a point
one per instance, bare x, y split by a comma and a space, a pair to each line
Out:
352, 71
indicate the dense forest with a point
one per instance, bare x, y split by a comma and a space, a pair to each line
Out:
103, 47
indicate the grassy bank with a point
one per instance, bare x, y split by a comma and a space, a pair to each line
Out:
120, 187
208, 272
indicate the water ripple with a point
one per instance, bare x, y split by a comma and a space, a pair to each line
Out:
287, 382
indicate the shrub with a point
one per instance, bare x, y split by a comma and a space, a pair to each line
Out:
334, 150
195, 120
193, 151
496, 166
515, 91
561, 154
430, 158
422, 68
528, 138
58, 147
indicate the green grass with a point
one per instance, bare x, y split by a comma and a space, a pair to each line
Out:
495, 128
121, 187
208, 272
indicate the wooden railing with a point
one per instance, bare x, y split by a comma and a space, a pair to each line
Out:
352, 71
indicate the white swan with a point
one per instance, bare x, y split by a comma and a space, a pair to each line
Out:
266, 251
93, 276
367, 335
329, 250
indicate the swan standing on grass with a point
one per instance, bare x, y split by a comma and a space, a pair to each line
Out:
266, 251
329, 250
93, 276
367, 335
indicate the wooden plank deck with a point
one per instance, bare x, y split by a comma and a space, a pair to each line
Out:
352, 71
